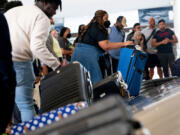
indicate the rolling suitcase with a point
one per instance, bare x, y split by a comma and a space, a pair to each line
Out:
108, 116
131, 64
177, 67
112, 84
66, 85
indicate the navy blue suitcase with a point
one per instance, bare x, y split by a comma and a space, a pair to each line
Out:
131, 65
177, 67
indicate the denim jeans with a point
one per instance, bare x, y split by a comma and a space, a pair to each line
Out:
24, 89
88, 56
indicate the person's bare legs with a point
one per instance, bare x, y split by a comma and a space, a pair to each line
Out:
160, 73
151, 73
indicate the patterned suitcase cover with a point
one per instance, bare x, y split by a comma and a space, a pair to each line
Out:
47, 118
105, 117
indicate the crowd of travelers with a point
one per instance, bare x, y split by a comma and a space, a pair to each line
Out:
31, 48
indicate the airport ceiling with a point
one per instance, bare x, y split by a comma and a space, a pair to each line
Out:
88, 7
76, 8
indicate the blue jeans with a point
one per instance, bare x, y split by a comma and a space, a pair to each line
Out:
24, 89
88, 56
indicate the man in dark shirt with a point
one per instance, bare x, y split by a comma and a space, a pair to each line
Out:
7, 76
163, 40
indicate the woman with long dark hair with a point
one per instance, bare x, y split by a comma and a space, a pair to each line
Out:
65, 45
80, 30
93, 43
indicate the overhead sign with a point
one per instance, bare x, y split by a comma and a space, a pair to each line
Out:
165, 13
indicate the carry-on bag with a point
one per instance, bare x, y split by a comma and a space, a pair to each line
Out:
66, 85
177, 67
131, 64
113, 84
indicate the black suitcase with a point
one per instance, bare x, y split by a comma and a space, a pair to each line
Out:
64, 86
106, 117
112, 84
177, 67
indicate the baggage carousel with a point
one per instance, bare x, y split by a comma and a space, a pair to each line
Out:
157, 106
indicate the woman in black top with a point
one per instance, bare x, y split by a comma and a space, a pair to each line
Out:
93, 42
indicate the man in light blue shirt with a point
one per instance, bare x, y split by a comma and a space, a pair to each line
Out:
117, 34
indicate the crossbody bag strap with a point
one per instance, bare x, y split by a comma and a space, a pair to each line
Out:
151, 35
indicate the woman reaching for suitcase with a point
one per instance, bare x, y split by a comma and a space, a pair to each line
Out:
93, 43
